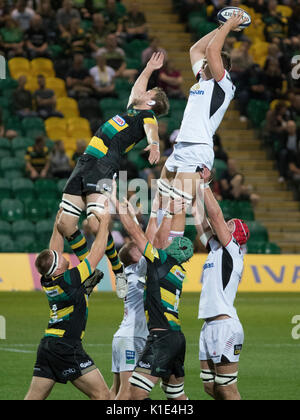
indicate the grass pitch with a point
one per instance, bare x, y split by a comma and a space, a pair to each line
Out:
269, 366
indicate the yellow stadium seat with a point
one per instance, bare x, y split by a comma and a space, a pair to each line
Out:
276, 101
209, 10
286, 11
259, 51
42, 66
80, 123
58, 85
80, 133
68, 107
56, 122
19, 66
32, 84
56, 133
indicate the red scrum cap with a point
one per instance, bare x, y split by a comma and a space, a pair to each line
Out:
241, 232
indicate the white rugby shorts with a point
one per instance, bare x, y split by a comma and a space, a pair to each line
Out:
189, 157
221, 338
126, 352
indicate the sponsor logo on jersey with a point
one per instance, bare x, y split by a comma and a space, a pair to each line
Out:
208, 265
119, 120
68, 372
144, 365
196, 90
130, 357
238, 349
85, 365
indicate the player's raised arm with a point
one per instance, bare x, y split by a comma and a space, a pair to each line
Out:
214, 48
57, 239
99, 246
198, 51
151, 131
140, 87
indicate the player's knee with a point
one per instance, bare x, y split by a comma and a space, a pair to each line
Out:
99, 395
226, 386
140, 386
66, 227
173, 391
208, 378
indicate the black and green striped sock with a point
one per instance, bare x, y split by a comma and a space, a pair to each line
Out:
79, 245
113, 256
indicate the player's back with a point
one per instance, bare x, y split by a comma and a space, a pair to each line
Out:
222, 274
119, 135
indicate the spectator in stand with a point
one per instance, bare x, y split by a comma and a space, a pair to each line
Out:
65, 15
79, 82
220, 153
80, 149
276, 24
287, 147
11, 38
75, 39
48, 16
218, 5
22, 100
273, 79
259, 6
276, 122
294, 22
241, 61
60, 166
23, 14
36, 39
4, 12
274, 53
170, 80
9, 134
294, 164
45, 100
37, 159
190, 6
232, 185
98, 32
133, 24
153, 47
113, 15
294, 109
103, 77
115, 58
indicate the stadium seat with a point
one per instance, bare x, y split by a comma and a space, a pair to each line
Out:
29, 124
78, 123
285, 11
7, 244
22, 227
46, 188
32, 84
5, 228
35, 210
258, 231
68, 107
21, 143
255, 247
219, 166
5, 143
61, 185
42, 66
12, 210
23, 188
53, 123
56, 133
5, 189
271, 248
4, 153
27, 244
257, 111
58, 85
44, 229
52, 206
19, 66
11, 163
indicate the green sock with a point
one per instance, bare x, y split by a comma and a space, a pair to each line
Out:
113, 256
79, 245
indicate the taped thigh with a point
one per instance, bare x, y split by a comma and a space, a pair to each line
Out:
141, 382
70, 209
226, 380
207, 376
172, 391
94, 208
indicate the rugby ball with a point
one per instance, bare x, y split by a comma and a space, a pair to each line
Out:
227, 12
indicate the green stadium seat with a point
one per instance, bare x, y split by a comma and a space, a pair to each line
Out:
257, 231
51, 206
23, 188
13, 123
46, 188
256, 247
219, 166
177, 104
5, 228
5, 188
33, 124
12, 210
5, 153
5, 143
61, 185
7, 244
27, 244
21, 143
23, 227
13, 174
272, 248
12, 163
44, 229
35, 210
257, 111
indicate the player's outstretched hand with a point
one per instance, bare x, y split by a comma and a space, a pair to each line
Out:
156, 61
104, 215
154, 156
235, 21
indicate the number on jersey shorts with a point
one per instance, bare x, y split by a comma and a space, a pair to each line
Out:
221, 339
126, 352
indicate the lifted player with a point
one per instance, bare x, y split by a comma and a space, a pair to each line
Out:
208, 101
101, 161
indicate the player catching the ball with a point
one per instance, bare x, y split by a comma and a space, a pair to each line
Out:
207, 104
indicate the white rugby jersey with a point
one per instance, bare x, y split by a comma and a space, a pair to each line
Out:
134, 322
206, 107
222, 274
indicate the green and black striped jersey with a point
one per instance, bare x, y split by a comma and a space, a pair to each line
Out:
68, 302
163, 289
